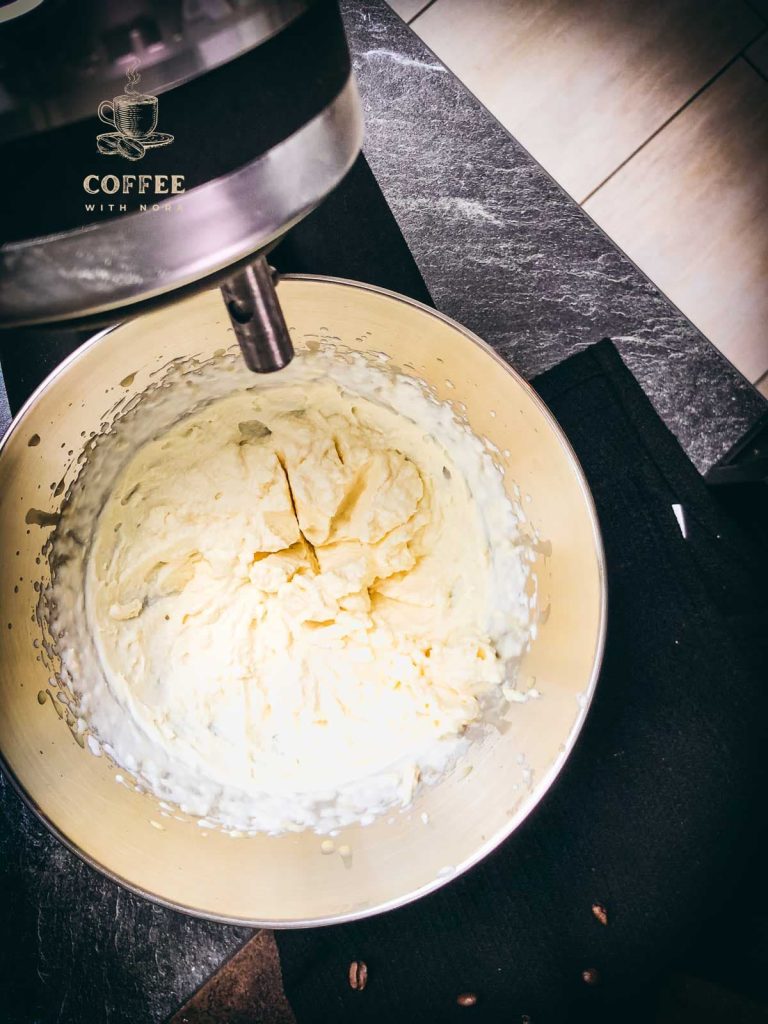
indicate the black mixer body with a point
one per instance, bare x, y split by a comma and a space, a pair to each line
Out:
147, 149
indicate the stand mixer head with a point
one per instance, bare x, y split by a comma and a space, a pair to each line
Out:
263, 121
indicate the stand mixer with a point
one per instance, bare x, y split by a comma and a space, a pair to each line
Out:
230, 121
233, 139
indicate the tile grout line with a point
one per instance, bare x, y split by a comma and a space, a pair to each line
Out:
755, 68
702, 89
421, 11
763, 73
755, 9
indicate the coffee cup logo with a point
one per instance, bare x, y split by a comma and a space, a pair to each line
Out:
133, 116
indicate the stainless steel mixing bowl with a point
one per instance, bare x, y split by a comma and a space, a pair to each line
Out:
286, 881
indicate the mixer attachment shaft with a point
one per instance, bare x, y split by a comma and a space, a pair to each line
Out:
257, 318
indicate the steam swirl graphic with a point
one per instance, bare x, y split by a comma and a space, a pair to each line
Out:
133, 78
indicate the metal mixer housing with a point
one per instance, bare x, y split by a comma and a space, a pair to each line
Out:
258, 100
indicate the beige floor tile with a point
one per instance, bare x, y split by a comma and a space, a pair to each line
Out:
582, 85
757, 54
691, 209
407, 9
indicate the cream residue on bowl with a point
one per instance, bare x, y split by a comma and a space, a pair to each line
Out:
281, 604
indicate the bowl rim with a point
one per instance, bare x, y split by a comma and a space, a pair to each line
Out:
547, 779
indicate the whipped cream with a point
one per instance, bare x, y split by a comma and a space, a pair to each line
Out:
298, 595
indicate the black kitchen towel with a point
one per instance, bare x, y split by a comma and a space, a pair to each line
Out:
657, 814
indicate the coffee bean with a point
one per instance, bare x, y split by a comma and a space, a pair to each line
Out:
600, 913
591, 976
131, 149
108, 145
466, 999
358, 975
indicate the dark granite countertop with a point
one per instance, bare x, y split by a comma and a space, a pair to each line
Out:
504, 251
